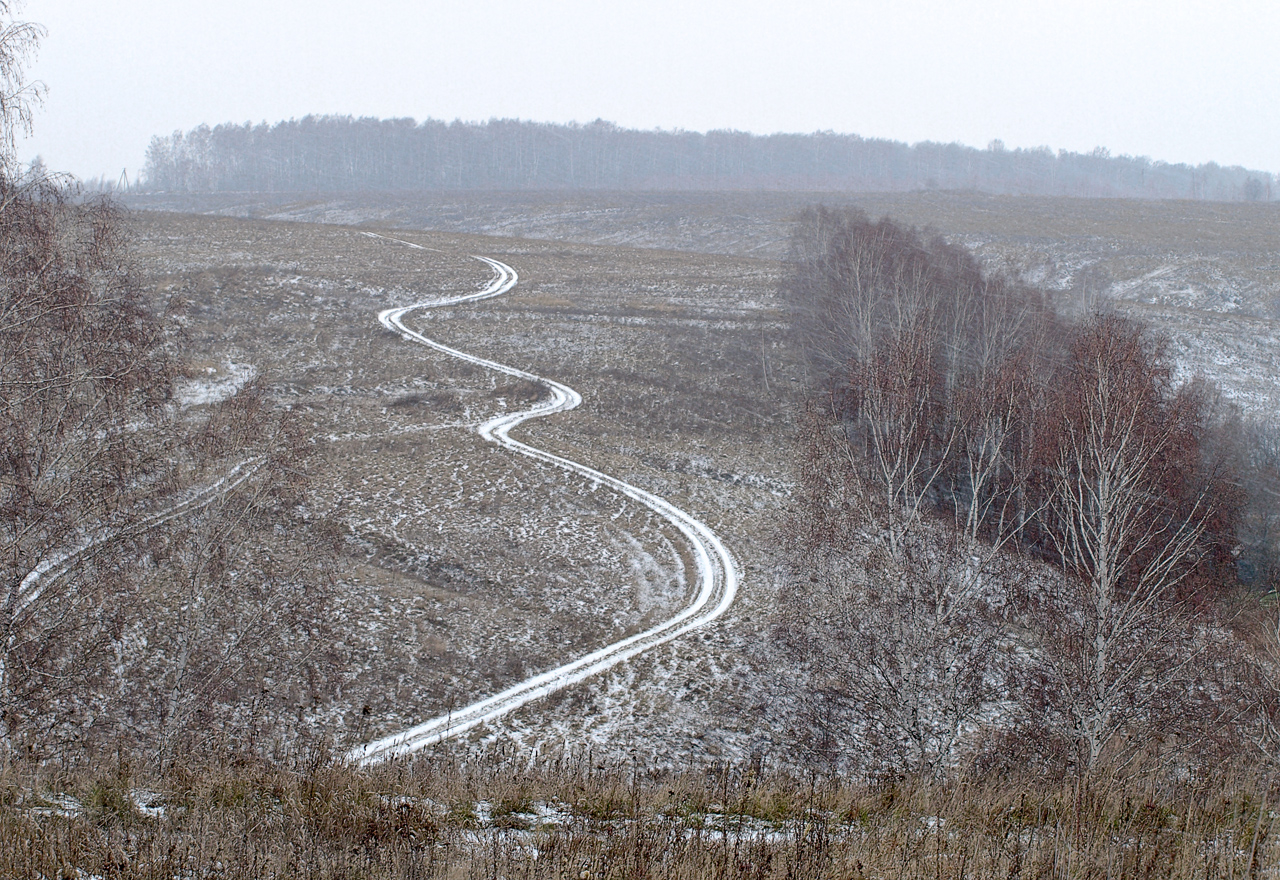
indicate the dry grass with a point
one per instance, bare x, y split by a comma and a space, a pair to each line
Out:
467, 568
1195, 269
570, 816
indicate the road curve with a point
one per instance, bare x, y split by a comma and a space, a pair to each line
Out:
717, 573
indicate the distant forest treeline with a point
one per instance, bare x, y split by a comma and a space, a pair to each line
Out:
341, 153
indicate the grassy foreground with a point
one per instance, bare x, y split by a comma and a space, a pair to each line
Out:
570, 817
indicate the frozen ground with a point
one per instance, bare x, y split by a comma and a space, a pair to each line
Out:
468, 570
715, 570
1208, 273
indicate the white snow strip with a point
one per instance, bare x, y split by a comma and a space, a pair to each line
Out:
49, 570
716, 571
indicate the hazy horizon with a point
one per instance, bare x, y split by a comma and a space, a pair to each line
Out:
1188, 82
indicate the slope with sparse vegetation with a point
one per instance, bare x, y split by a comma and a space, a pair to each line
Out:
248, 529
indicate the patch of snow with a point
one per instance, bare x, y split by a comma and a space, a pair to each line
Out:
217, 386
59, 806
148, 803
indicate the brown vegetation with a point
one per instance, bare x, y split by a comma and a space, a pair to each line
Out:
1008, 520
573, 816
83, 377
1018, 644
154, 563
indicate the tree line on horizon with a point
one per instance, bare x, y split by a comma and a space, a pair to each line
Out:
343, 153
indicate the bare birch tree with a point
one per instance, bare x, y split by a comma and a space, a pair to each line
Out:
83, 382
952, 396
894, 617
1128, 508
109, 491
901, 650
19, 95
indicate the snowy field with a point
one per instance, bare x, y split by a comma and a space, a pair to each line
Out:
467, 569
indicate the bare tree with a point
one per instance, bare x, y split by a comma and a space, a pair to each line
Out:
930, 407
900, 646
19, 96
868, 305
83, 382
111, 495
1129, 504
937, 371
952, 396
1010, 353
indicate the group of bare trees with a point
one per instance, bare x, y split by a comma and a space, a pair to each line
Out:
83, 374
1007, 519
159, 577
341, 153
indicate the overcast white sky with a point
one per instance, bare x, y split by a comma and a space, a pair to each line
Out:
1177, 80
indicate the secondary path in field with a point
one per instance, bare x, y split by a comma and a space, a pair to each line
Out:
717, 574
59, 564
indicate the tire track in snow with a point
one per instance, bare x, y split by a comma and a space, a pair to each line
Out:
717, 573
58, 565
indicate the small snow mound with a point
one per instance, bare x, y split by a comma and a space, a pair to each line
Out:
148, 803
215, 387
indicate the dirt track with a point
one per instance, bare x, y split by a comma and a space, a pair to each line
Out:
717, 574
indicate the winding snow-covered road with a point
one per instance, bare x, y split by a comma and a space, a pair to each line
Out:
717, 574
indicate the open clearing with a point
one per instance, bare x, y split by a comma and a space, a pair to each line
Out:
715, 572
466, 569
